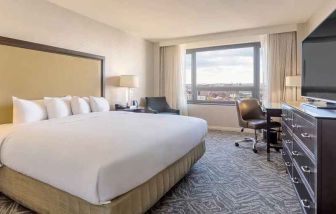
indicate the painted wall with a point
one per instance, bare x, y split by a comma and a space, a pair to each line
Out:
43, 22
217, 116
318, 17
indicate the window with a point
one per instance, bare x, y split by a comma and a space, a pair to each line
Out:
223, 74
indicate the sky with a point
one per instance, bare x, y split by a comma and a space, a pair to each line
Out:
222, 66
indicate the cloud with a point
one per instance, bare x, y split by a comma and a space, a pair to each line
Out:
223, 66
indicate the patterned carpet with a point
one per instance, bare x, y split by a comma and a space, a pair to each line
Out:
226, 180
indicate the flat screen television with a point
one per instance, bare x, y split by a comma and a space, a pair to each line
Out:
319, 62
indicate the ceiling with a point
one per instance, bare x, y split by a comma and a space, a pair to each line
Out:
165, 19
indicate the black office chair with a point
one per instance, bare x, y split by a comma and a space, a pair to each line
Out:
251, 116
159, 105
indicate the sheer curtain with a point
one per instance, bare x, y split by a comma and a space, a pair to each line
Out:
279, 59
172, 77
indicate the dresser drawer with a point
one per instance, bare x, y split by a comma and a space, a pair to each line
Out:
307, 203
287, 139
287, 160
305, 164
306, 132
287, 117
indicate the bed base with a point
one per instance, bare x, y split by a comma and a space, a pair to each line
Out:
43, 198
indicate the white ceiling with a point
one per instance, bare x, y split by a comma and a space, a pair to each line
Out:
164, 19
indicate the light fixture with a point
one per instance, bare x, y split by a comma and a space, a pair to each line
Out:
293, 81
130, 82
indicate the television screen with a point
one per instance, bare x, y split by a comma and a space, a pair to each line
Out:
319, 62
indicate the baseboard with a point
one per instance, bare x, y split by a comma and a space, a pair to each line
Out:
230, 129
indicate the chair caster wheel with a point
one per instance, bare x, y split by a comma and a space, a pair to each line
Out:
255, 150
236, 144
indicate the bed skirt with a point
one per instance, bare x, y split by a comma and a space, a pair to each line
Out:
44, 198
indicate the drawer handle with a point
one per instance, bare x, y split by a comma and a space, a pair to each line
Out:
305, 135
305, 203
287, 163
295, 153
305, 169
295, 180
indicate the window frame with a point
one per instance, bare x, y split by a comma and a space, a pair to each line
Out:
255, 89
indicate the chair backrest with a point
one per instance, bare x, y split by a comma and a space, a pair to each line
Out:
158, 104
248, 109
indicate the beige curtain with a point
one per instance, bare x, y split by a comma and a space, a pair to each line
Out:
171, 77
279, 61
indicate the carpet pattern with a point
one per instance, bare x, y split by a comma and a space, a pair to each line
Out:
226, 179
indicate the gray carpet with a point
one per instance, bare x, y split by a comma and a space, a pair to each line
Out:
226, 180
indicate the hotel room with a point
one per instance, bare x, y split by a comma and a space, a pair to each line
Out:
167, 106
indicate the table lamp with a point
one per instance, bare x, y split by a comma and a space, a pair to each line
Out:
130, 82
293, 81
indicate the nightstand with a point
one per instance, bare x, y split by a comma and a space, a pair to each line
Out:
137, 110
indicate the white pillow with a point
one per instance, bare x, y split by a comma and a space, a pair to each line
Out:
25, 111
58, 106
80, 105
99, 104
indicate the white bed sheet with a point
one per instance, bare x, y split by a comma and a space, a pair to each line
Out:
102, 155
5, 129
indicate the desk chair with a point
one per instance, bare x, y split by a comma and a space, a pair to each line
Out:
251, 116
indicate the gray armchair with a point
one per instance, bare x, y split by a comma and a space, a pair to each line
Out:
159, 105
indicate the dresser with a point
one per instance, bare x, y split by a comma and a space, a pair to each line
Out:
309, 153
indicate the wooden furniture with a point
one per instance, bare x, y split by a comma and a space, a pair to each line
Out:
123, 108
55, 71
310, 155
271, 110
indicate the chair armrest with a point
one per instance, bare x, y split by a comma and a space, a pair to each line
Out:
175, 111
151, 111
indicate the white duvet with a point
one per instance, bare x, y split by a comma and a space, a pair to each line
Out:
99, 156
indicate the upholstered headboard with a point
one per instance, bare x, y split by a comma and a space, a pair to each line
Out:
32, 71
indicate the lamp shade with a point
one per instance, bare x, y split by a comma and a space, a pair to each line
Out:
129, 81
293, 81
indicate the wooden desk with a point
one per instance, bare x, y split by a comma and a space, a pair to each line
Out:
271, 110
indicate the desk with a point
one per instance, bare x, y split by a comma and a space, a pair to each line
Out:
271, 110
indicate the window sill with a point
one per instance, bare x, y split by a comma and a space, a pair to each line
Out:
212, 103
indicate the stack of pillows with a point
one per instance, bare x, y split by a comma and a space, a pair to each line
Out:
25, 111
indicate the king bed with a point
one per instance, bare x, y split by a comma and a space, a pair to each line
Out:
102, 162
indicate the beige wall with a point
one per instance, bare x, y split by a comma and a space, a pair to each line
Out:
217, 116
318, 17
42, 22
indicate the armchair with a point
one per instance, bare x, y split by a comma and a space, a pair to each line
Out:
159, 105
